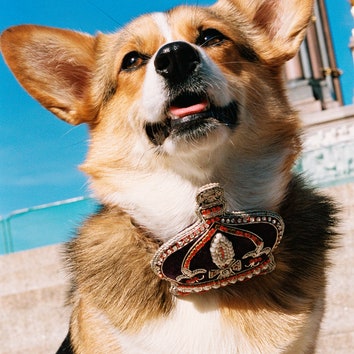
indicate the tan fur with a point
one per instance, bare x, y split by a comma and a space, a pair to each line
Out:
119, 305
63, 75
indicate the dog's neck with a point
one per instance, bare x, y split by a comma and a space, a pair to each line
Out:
163, 201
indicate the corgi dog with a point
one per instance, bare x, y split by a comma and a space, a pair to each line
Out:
206, 241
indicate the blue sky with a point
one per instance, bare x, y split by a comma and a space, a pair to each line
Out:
39, 153
341, 23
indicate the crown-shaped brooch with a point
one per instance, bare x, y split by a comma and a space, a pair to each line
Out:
221, 248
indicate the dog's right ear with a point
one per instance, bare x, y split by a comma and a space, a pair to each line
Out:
280, 25
55, 66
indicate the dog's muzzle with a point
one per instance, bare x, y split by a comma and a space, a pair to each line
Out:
189, 112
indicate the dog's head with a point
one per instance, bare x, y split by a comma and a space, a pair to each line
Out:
175, 100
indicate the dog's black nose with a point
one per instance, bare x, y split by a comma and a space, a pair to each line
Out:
176, 61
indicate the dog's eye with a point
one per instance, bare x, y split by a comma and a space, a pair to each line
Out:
210, 37
133, 60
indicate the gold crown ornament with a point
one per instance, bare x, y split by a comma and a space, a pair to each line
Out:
221, 248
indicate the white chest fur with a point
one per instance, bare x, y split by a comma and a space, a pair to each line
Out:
194, 327
197, 326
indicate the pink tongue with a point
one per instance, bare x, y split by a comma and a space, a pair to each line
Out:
180, 112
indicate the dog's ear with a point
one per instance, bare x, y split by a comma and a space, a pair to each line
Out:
55, 66
280, 25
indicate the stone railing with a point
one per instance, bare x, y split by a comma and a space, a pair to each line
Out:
328, 156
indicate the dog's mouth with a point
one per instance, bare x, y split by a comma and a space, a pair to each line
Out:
192, 116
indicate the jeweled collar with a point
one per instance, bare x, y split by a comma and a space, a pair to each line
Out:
221, 248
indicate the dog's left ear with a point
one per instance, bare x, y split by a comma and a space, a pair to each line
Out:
280, 25
55, 66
